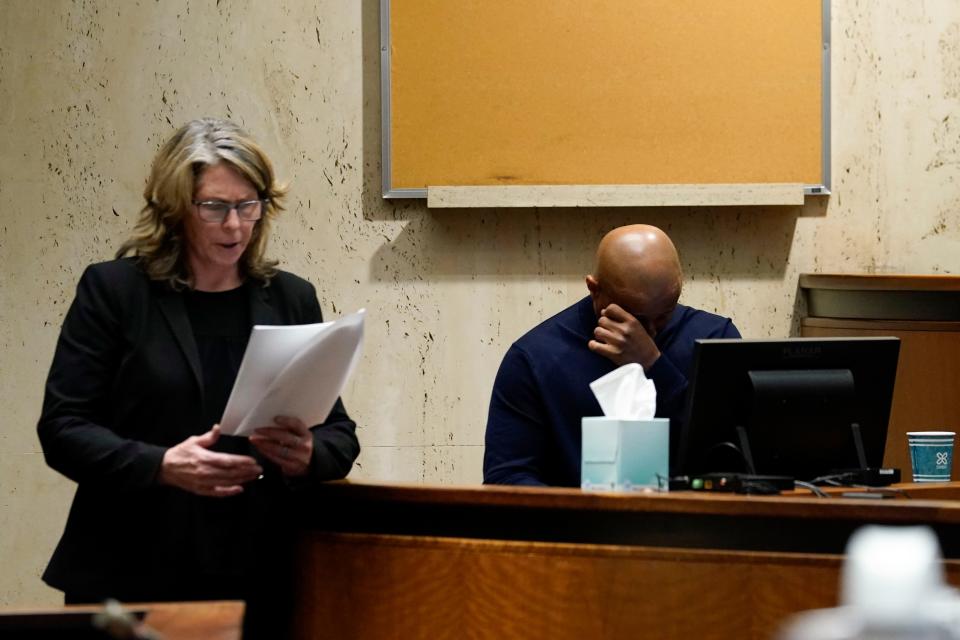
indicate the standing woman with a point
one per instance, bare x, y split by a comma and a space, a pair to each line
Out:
166, 508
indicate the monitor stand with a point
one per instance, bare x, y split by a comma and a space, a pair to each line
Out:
783, 483
752, 482
865, 475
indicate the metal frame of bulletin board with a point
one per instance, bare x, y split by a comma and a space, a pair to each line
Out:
739, 114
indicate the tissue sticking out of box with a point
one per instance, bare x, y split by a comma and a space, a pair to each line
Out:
626, 393
627, 449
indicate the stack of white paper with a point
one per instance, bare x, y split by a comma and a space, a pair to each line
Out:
293, 370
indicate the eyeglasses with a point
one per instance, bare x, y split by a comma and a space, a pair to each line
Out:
217, 211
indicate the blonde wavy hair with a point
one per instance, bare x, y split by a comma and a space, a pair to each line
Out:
158, 238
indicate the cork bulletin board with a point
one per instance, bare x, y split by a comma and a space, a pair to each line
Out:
604, 92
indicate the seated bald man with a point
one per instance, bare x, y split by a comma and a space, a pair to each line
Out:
631, 315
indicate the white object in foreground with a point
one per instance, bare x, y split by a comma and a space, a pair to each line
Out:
293, 370
893, 588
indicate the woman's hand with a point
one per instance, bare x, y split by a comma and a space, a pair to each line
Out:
288, 443
191, 466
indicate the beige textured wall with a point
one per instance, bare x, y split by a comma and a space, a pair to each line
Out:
89, 88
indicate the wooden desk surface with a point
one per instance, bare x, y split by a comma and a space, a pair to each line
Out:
794, 522
211, 620
801, 501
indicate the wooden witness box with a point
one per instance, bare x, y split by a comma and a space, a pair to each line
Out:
495, 562
380, 561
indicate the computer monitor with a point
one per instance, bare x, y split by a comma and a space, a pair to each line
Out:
791, 402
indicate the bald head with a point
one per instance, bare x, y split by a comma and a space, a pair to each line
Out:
638, 269
638, 257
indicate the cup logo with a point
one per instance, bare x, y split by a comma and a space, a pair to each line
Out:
941, 458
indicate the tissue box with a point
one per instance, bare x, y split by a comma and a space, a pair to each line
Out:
625, 455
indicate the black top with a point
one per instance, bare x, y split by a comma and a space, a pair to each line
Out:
221, 327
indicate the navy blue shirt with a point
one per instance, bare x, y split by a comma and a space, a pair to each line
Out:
542, 391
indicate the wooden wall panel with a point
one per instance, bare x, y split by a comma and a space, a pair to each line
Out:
382, 586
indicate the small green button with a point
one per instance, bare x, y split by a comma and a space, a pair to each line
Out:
696, 483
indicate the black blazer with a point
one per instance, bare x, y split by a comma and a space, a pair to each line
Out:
125, 385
